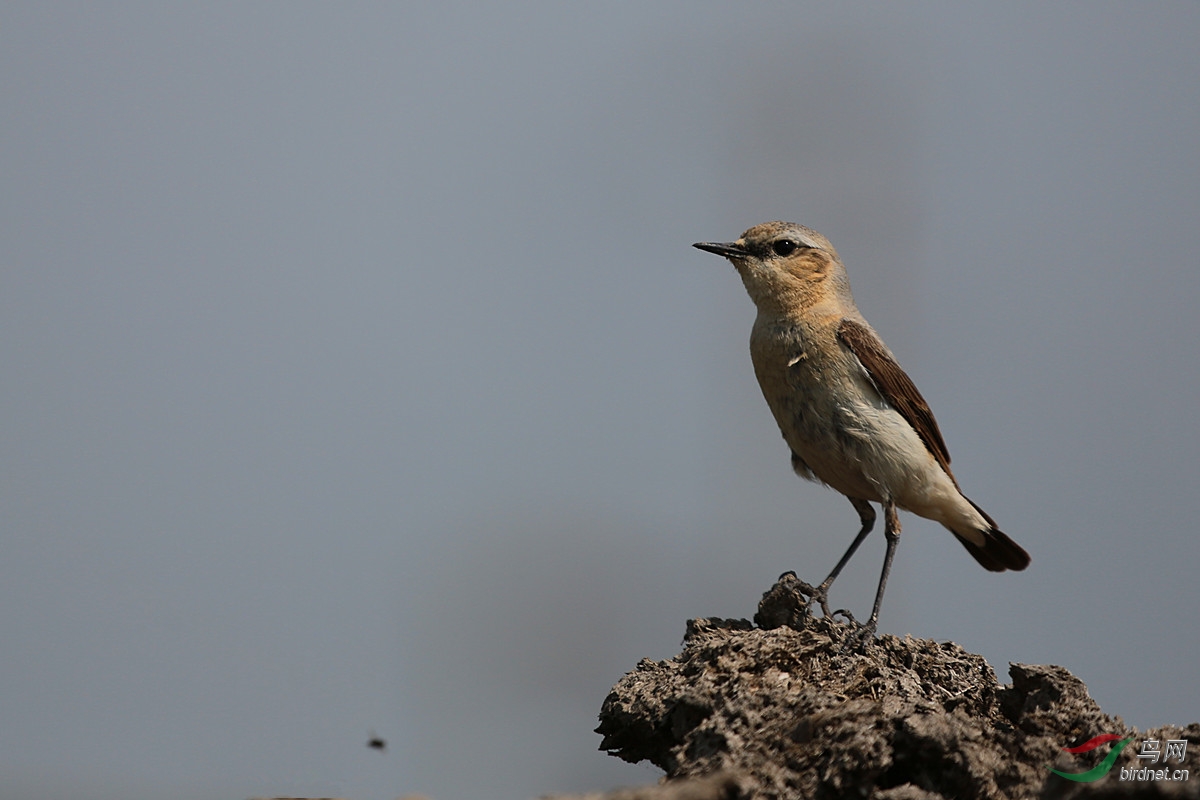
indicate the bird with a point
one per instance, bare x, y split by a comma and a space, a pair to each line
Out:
852, 417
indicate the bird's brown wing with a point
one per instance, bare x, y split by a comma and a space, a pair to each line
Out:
895, 386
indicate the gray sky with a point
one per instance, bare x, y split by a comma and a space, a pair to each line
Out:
359, 373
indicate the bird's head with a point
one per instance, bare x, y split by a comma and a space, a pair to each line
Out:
783, 265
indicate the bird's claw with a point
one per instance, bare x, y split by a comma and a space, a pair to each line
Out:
821, 598
861, 634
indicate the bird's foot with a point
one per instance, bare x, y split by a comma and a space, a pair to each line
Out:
820, 596
860, 635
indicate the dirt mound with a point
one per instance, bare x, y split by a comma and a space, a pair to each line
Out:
789, 707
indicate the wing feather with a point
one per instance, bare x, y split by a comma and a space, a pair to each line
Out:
895, 386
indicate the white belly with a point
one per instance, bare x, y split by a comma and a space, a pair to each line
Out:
870, 451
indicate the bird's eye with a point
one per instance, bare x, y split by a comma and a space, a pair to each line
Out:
784, 247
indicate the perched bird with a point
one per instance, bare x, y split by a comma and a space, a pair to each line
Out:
851, 416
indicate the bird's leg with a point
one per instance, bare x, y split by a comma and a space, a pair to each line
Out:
865, 513
866, 631
891, 531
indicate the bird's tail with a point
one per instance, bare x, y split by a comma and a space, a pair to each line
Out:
998, 552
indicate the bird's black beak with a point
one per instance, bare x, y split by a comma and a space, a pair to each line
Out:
727, 249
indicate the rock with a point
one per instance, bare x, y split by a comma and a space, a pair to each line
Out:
791, 708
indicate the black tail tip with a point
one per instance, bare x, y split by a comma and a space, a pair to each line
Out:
998, 552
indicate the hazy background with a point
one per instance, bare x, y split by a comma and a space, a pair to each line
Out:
359, 375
